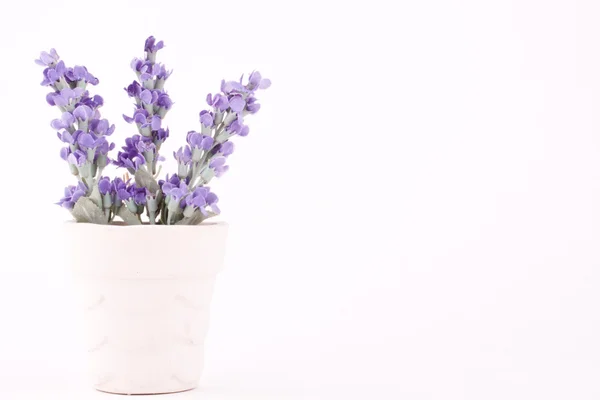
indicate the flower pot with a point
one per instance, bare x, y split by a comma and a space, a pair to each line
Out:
146, 292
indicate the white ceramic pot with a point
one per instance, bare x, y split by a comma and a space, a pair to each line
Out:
146, 294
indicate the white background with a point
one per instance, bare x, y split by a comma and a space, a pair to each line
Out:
414, 214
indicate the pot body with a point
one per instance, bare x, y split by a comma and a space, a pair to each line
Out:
146, 293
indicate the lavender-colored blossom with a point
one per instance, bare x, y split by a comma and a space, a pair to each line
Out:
64, 153
144, 69
140, 116
183, 155
218, 101
144, 146
232, 87
173, 180
47, 59
104, 185
134, 89
237, 103
207, 118
119, 188
238, 128
152, 46
65, 97
199, 141
255, 81
161, 135
102, 146
217, 164
77, 158
225, 149
83, 113
175, 192
164, 101
101, 127
148, 96
80, 73
161, 72
202, 197
72, 194
53, 74
251, 105
130, 157
65, 121
92, 102
138, 194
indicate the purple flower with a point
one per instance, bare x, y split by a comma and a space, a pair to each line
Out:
92, 102
207, 118
237, 103
251, 105
232, 87
148, 96
101, 127
255, 81
218, 101
200, 141
119, 188
130, 157
175, 192
134, 90
143, 68
238, 128
218, 165
64, 153
161, 135
151, 46
83, 113
140, 116
80, 73
65, 121
66, 137
102, 146
138, 194
173, 180
72, 194
47, 59
104, 185
77, 158
164, 101
86, 141
53, 74
64, 97
226, 149
161, 72
202, 197
144, 146
183, 155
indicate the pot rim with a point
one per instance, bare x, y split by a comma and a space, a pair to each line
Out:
121, 225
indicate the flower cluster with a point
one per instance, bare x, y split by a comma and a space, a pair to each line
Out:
181, 198
182, 202
151, 105
80, 125
206, 152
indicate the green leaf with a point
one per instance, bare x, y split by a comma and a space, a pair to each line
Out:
96, 197
128, 217
196, 218
143, 178
86, 211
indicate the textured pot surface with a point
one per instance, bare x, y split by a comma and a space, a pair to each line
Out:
146, 293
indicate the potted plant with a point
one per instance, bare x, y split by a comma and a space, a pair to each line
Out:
145, 300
